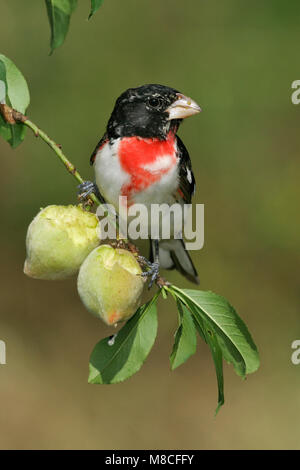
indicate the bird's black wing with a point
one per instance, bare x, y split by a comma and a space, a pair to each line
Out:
187, 183
99, 145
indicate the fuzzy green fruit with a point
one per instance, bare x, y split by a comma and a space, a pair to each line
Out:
58, 240
110, 285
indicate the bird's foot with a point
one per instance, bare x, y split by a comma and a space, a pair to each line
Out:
86, 188
152, 272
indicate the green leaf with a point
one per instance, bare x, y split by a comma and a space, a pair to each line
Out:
14, 92
185, 338
59, 14
212, 340
218, 360
95, 5
233, 336
116, 359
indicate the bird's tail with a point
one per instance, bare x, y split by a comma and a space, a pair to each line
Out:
174, 255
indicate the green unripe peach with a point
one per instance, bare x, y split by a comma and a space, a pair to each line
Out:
58, 240
110, 285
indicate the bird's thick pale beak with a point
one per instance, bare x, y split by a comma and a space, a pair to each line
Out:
182, 108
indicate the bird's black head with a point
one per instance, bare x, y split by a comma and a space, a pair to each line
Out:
149, 111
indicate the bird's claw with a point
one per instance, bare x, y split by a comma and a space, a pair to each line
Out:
87, 188
144, 261
152, 273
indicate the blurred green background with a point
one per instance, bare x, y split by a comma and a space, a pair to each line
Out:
237, 59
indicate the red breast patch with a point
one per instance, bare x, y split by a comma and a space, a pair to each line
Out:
137, 155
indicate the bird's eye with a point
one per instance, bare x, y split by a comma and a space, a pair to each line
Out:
154, 102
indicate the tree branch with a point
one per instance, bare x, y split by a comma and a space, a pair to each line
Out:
12, 116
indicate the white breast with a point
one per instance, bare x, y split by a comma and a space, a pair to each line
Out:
163, 162
110, 177
161, 191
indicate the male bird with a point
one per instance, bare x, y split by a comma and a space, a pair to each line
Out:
140, 156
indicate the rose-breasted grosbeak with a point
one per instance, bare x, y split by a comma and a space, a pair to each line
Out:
141, 157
